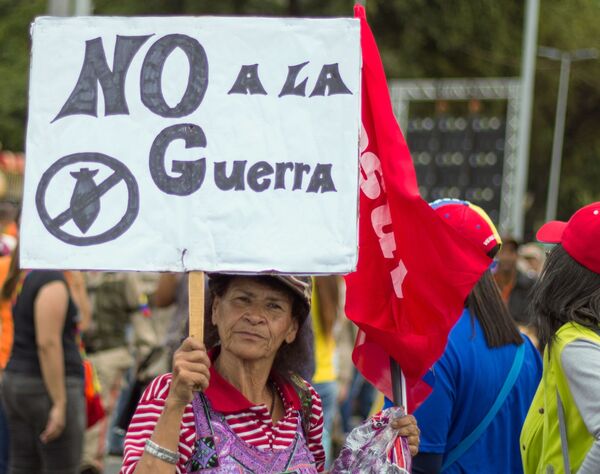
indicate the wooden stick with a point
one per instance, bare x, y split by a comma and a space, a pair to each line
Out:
196, 300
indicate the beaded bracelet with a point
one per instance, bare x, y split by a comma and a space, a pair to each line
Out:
161, 453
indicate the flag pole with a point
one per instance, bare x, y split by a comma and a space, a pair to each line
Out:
398, 384
196, 300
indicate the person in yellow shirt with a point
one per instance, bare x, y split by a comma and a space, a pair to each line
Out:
325, 309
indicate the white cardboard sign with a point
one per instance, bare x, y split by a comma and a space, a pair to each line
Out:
178, 144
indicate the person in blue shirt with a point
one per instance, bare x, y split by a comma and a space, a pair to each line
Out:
486, 378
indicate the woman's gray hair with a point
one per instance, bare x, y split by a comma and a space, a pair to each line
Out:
296, 357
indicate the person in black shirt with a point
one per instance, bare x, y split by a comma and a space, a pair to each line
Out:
42, 389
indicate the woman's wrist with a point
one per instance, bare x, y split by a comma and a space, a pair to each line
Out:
164, 454
60, 402
174, 406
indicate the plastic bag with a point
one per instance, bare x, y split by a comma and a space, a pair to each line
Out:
375, 446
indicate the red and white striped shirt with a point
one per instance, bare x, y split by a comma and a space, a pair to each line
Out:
252, 423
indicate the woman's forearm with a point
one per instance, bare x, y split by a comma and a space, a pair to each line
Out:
166, 435
53, 370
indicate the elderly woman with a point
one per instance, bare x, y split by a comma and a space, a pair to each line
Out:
240, 407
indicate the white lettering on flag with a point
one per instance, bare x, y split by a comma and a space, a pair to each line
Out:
373, 185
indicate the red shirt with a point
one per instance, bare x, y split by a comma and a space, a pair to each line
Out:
252, 423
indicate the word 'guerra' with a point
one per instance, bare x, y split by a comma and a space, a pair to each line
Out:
259, 176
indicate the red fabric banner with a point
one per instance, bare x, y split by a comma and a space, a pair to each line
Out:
414, 271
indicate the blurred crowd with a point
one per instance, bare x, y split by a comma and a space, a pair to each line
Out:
130, 324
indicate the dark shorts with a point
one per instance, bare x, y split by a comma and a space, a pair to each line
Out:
27, 405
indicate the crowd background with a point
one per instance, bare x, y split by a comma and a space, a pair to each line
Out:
131, 324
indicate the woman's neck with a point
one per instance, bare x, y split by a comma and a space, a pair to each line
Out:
249, 377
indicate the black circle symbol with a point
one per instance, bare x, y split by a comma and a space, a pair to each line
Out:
120, 173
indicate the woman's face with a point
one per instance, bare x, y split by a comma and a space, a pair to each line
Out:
254, 319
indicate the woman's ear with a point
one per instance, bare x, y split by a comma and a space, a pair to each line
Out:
292, 332
215, 306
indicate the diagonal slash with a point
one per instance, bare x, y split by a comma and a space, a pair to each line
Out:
87, 198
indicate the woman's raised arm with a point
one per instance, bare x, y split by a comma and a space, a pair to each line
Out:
190, 373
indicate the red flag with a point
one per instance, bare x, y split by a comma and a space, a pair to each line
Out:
414, 271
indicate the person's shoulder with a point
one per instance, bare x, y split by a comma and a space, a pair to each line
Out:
158, 389
300, 381
47, 275
39, 278
581, 351
308, 401
572, 331
301, 391
462, 329
313, 392
464, 347
587, 344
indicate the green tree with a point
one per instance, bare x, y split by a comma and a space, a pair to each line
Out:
567, 26
417, 39
442, 39
15, 17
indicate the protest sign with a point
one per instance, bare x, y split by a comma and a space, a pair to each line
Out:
179, 144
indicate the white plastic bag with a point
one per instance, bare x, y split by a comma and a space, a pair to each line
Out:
375, 446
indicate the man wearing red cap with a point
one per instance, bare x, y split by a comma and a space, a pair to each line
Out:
562, 429
514, 284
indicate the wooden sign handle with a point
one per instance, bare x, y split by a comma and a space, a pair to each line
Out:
196, 300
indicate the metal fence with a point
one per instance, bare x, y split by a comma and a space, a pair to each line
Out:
462, 134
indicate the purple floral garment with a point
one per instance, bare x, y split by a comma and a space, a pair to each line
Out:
219, 449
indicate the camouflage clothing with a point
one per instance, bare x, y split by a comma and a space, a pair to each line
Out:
114, 298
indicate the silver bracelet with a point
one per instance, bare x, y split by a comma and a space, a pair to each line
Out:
161, 453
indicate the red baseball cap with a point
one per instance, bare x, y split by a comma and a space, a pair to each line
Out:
580, 237
471, 221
